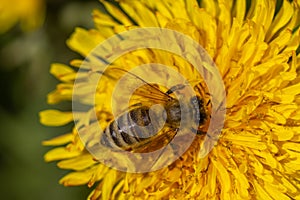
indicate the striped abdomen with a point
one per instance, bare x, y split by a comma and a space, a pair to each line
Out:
129, 129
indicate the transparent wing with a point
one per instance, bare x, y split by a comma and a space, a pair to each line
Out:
156, 142
146, 94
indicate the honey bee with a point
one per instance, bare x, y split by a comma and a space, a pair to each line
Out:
137, 129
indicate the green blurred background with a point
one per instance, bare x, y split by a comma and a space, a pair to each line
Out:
25, 59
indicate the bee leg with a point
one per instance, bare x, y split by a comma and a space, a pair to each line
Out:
208, 102
174, 88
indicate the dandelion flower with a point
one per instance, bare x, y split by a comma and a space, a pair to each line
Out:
255, 45
29, 13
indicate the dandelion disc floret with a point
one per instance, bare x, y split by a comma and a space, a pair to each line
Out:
255, 45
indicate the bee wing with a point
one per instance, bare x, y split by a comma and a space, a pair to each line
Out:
147, 94
158, 141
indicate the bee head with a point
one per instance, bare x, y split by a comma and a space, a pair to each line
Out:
199, 109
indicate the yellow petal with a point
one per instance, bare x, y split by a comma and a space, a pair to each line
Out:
212, 180
108, 184
77, 178
277, 117
159, 194
162, 20
271, 64
252, 145
174, 174
63, 92
55, 117
295, 115
260, 12
275, 193
283, 134
282, 39
285, 109
223, 177
288, 184
99, 174
103, 19
292, 146
96, 193
242, 136
140, 13
209, 6
163, 11
224, 17
55, 97
293, 44
261, 192
146, 181
78, 163
59, 140
239, 10
83, 41
60, 153
117, 190
76, 63
174, 7
242, 183
62, 72
117, 13
281, 19
207, 28
268, 159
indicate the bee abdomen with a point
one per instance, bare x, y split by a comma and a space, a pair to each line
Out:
115, 135
128, 129
140, 116
111, 136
